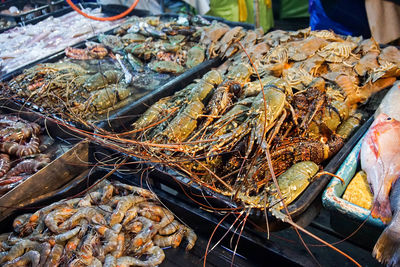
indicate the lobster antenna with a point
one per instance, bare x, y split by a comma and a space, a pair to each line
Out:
322, 241
240, 234
212, 234
330, 174
227, 231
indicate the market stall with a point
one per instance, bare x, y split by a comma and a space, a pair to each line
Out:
177, 139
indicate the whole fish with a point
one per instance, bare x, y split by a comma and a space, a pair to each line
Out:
387, 248
380, 159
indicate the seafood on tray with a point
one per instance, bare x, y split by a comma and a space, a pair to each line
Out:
114, 225
74, 90
170, 46
229, 130
47, 37
21, 151
106, 75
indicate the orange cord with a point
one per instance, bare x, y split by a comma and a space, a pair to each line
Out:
123, 14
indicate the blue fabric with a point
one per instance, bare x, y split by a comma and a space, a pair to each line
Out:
342, 16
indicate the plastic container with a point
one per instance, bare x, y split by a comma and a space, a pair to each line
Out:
347, 217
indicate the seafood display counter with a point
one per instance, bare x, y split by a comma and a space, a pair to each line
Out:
232, 131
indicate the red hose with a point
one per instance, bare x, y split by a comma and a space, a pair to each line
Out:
123, 14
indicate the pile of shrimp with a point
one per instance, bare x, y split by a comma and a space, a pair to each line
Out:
21, 150
114, 225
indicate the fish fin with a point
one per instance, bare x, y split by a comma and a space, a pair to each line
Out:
387, 248
382, 210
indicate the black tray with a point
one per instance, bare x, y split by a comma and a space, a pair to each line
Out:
303, 210
253, 249
53, 128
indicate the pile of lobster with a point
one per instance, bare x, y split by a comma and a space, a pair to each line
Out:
20, 151
284, 113
114, 225
72, 90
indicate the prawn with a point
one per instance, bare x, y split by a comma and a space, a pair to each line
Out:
124, 203
156, 257
173, 240
170, 228
87, 213
32, 257
56, 217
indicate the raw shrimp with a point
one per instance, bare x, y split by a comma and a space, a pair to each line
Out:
170, 228
32, 257
56, 217
88, 213
173, 240
156, 257
123, 205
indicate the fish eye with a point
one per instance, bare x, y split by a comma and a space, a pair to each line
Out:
389, 118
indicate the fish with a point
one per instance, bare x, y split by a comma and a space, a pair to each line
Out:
380, 159
390, 103
387, 248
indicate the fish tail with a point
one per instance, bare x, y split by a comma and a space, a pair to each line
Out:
382, 210
387, 248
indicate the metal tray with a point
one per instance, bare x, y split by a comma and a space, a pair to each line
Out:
54, 176
48, 178
253, 249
